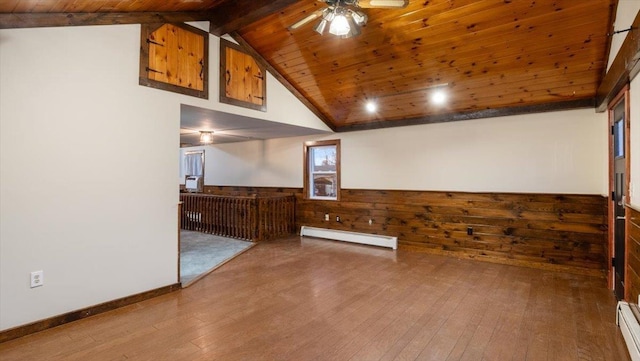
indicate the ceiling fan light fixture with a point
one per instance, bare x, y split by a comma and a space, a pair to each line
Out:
340, 26
359, 17
354, 29
343, 22
329, 14
206, 137
319, 28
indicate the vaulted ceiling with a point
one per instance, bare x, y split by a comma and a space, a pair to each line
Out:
492, 57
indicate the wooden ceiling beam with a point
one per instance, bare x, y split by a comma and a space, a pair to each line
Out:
485, 113
37, 20
624, 68
230, 16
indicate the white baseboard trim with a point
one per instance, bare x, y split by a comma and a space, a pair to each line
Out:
354, 237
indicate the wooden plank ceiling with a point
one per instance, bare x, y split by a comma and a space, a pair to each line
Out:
496, 57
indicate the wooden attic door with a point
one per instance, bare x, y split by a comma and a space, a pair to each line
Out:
242, 78
174, 57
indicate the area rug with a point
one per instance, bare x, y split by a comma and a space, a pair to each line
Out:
201, 253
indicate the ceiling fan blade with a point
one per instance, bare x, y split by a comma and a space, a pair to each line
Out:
382, 4
314, 15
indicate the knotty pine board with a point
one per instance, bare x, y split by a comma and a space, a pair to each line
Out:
632, 281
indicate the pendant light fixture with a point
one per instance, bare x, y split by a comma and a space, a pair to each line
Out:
206, 137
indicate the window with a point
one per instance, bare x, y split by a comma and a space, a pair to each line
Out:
322, 170
618, 138
194, 163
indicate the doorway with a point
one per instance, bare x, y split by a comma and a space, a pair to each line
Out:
618, 115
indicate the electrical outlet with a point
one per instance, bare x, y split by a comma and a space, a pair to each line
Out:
337, 218
37, 279
326, 217
370, 221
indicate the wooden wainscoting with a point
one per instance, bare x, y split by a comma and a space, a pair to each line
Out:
633, 254
549, 231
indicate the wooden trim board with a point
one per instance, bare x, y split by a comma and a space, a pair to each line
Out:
38, 20
54, 321
623, 70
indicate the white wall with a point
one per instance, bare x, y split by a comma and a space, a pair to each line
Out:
71, 115
268, 163
560, 152
282, 106
85, 195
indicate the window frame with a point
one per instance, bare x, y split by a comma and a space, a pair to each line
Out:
307, 188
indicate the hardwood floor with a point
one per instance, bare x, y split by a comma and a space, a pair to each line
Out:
308, 299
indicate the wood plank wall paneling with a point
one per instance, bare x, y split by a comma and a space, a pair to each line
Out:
633, 254
606, 251
169, 63
549, 231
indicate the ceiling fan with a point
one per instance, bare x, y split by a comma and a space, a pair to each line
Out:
345, 17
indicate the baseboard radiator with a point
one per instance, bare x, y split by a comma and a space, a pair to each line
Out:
627, 319
354, 237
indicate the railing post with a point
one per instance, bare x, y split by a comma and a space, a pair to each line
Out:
255, 218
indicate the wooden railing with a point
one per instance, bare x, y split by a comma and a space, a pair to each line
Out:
250, 217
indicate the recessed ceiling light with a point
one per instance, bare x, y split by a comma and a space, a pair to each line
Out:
371, 106
438, 97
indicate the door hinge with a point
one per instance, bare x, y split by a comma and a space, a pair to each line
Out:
153, 70
613, 261
149, 41
613, 196
612, 131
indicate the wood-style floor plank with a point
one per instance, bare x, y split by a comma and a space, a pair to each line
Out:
309, 299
